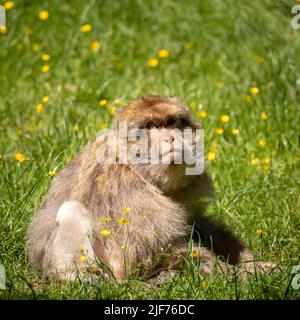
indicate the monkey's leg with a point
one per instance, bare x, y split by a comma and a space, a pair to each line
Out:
70, 252
178, 256
224, 243
115, 262
206, 261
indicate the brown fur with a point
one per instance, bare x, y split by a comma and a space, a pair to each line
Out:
163, 202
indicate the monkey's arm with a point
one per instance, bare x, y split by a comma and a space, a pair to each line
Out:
175, 258
212, 234
221, 240
226, 244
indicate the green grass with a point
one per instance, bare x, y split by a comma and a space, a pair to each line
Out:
238, 43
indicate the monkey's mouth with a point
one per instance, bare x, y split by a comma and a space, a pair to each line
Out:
172, 156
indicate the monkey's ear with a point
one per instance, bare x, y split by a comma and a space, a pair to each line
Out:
175, 99
196, 124
121, 107
119, 110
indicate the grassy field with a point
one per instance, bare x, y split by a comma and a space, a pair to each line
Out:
234, 58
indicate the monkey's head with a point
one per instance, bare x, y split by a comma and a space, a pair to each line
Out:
157, 130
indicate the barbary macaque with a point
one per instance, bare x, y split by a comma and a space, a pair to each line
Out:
113, 218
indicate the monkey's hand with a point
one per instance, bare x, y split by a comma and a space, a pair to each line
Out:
249, 265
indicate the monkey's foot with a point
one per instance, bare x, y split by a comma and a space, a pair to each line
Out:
257, 267
164, 276
91, 275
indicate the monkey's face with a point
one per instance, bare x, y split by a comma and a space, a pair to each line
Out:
166, 138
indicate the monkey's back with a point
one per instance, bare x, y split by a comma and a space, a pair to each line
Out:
43, 223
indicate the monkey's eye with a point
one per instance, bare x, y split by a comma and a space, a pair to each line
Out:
150, 125
170, 122
184, 122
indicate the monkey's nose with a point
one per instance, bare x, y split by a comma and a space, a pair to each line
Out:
169, 139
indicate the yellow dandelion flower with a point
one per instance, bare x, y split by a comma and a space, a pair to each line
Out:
247, 98
219, 85
76, 127
45, 68
19, 132
214, 148
202, 114
28, 31
266, 163
3, 29
103, 125
46, 57
194, 254
266, 166
263, 116
102, 102
8, 5
260, 59
192, 105
123, 221
39, 108
105, 232
211, 156
32, 128
112, 111
95, 270
163, 53
216, 184
126, 210
188, 45
45, 99
122, 103
95, 46
219, 131
51, 173
20, 157
235, 131
35, 47
106, 219
83, 258
259, 232
262, 143
255, 161
254, 90
43, 15
224, 118
153, 63
86, 28
204, 284
122, 248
